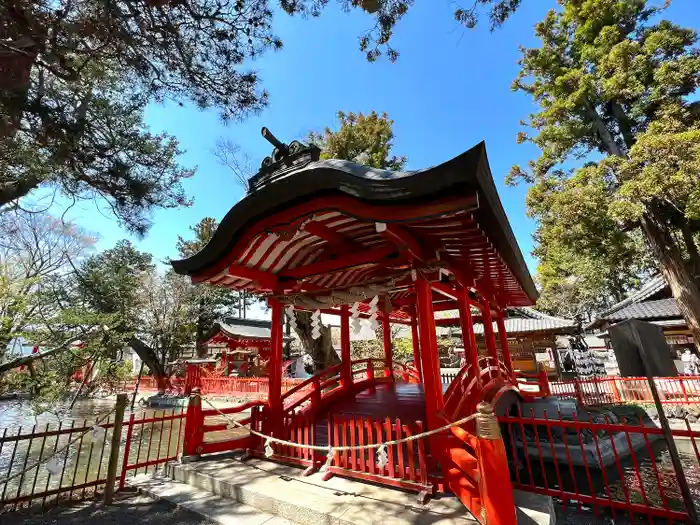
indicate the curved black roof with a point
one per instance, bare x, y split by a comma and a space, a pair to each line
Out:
465, 174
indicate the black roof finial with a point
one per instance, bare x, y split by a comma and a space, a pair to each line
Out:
284, 158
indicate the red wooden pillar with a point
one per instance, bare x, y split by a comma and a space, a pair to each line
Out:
430, 362
275, 366
415, 339
489, 336
495, 486
468, 337
388, 350
345, 360
503, 337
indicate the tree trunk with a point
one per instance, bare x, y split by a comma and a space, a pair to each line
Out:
321, 349
674, 270
201, 344
691, 248
150, 358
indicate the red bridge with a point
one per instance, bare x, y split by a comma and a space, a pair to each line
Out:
339, 238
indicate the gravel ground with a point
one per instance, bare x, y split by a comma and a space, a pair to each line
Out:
572, 516
126, 510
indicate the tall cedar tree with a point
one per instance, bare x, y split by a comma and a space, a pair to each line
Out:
614, 84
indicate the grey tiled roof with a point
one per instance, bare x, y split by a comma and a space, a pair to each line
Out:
519, 325
529, 320
661, 309
243, 328
654, 285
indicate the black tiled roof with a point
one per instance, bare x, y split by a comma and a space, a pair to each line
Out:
661, 309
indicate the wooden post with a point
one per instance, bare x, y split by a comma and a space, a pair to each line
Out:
194, 426
388, 350
468, 337
275, 367
489, 336
503, 338
345, 359
415, 340
495, 487
430, 361
120, 406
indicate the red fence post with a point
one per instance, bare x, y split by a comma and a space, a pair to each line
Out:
127, 449
544, 381
194, 426
370, 370
495, 487
577, 390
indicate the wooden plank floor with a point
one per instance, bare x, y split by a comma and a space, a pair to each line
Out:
405, 401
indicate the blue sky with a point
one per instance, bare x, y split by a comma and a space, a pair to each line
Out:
449, 90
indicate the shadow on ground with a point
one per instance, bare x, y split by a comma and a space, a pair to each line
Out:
128, 509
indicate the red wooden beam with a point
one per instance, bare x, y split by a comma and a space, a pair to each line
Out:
350, 261
404, 241
264, 280
333, 238
445, 289
354, 207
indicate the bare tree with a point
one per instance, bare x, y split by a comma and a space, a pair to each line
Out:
36, 250
168, 311
231, 155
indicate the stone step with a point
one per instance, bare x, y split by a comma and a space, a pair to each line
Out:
215, 508
283, 491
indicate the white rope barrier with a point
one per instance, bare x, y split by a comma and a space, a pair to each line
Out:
382, 457
58, 452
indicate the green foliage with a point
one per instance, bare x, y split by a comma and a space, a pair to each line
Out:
387, 13
613, 84
81, 73
364, 138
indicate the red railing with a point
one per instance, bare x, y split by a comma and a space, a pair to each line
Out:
614, 390
247, 387
300, 405
407, 467
82, 461
151, 440
406, 373
620, 468
534, 385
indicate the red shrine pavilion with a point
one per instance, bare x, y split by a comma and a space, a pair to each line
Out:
244, 345
340, 238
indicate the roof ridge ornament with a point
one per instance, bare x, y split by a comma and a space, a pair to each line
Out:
284, 159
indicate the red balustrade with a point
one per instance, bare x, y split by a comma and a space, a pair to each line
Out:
617, 468
614, 390
407, 467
